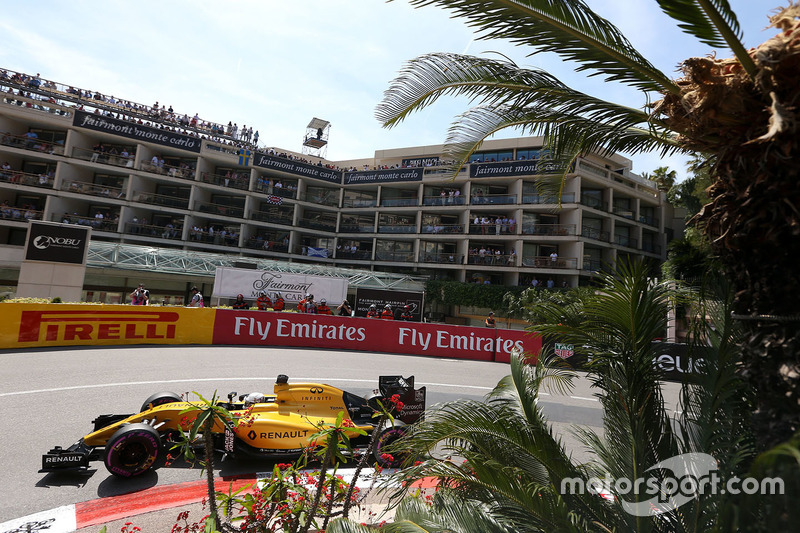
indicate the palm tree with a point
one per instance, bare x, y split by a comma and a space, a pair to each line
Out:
516, 470
741, 112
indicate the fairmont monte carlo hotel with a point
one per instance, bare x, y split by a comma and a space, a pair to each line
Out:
169, 197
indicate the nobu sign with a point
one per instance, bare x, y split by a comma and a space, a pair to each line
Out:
60, 243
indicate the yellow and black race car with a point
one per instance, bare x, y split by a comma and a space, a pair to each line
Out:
273, 426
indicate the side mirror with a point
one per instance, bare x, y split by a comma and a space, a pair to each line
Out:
231, 396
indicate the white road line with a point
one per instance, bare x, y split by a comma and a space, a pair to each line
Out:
202, 380
584, 398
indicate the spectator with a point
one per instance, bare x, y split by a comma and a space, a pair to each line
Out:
344, 309
554, 258
263, 302
490, 323
140, 296
406, 313
240, 303
196, 298
323, 308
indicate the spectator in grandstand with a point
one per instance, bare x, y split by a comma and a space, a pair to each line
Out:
196, 299
240, 302
263, 302
344, 309
406, 313
279, 303
323, 308
140, 296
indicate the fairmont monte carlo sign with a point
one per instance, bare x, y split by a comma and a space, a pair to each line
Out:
136, 131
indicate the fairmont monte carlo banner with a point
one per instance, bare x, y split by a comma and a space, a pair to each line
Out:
136, 131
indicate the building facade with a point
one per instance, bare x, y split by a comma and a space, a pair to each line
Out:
163, 181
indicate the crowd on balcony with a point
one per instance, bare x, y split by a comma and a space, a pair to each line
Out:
13, 212
496, 226
214, 235
491, 256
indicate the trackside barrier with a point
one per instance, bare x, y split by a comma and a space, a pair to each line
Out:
42, 325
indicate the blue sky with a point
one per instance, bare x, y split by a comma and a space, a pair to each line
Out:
275, 65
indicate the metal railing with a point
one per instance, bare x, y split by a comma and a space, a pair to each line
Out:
400, 257
494, 259
538, 199
26, 142
550, 230
110, 223
330, 198
26, 178
623, 211
494, 199
441, 258
278, 215
549, 262
627, 242
397, 228
358, 255
349, 227
233, 180
162, 200
93, 189
105, 157
444, 200
283, 192
316, 223
492, 228
206, 236
267, 245
14, 213
220, 210
399, 202
596, 234
594, 202
148, 230
437, 229
359, 202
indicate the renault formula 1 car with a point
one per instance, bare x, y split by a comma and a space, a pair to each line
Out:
277, 426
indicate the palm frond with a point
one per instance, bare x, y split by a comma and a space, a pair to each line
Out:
568, 28
490, 82
566, 135
713, 23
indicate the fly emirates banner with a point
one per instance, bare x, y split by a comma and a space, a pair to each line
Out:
371, 334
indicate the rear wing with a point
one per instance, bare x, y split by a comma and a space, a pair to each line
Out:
413, 399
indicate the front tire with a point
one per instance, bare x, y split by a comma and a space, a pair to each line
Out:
132, 450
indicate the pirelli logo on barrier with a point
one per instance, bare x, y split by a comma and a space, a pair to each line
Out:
94, 325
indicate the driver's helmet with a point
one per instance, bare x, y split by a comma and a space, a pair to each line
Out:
254, 398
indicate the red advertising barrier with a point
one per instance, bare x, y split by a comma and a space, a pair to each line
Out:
370, 334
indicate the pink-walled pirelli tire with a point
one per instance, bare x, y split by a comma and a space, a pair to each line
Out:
388, 434
160, 398
132, 450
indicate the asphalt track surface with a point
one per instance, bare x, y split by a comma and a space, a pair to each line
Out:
49, 397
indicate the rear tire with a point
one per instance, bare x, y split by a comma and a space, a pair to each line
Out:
389, 434
132, 450
160, 398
